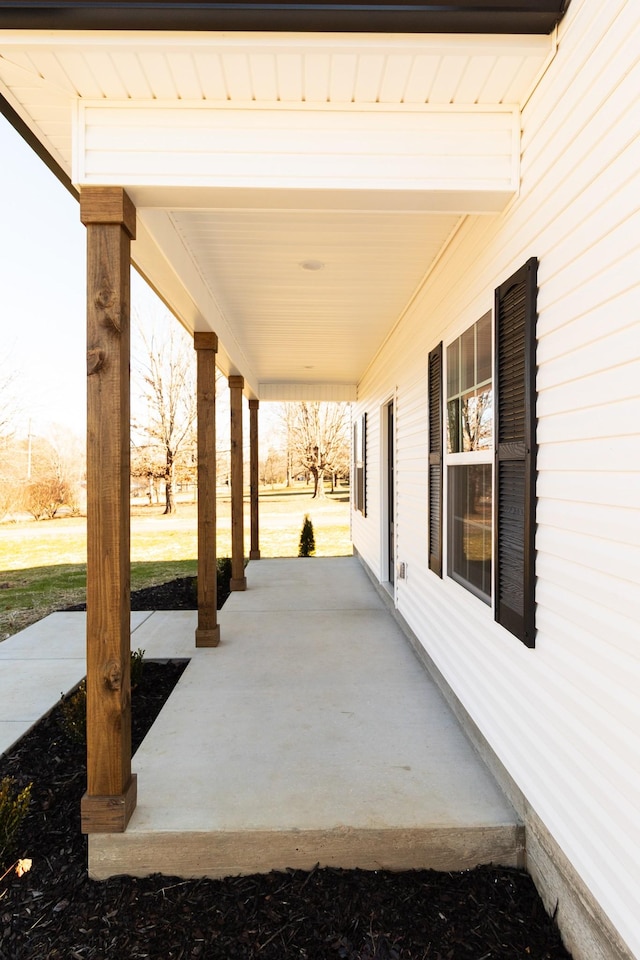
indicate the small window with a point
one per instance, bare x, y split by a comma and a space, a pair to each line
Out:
469, 456
470, 525
469, 390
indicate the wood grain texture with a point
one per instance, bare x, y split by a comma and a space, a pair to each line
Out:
108, 205
108, 563
109, 814
238, 579
254, 479
208, 630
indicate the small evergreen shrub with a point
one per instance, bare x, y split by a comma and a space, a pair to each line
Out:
223, 565
13, 808
307, 546
74, 714
137, 666
74, 707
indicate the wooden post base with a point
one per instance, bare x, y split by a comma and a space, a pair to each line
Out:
208, 638
238, 583
109, 814
254, 555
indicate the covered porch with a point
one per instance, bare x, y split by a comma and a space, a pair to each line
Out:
287, 195
312, 736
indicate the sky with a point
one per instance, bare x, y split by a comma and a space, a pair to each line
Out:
42, 290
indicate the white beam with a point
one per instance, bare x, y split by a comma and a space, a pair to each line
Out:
446, 151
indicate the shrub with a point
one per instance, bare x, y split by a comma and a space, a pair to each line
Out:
223, 565
74, 707
44, 496
137, 666
13, 808
74, 714
307, 546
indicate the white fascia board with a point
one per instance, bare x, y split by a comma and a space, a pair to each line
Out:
290, 391
451, 150
459, 44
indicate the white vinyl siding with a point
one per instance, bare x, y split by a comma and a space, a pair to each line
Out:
563, 718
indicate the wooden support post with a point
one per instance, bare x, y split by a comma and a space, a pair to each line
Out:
110, 218
238, 579
254, 475
208, 629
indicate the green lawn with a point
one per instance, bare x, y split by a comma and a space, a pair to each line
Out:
42, 565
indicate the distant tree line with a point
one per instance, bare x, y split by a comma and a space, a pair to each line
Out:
44, 475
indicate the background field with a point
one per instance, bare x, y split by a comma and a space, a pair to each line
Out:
43, 565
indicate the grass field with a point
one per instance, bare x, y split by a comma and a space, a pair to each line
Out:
43, 568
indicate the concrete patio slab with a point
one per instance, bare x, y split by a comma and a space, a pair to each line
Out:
312, 734
58, 636
305, 585
40, 664
167, 635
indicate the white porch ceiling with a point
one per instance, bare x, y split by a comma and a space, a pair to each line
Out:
318, 325
230, 258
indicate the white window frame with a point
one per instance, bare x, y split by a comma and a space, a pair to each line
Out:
464, 458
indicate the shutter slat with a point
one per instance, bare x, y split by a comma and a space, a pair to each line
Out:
514, 568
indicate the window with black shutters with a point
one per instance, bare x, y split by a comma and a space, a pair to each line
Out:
485, 397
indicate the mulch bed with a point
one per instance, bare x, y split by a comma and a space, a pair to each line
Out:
180, 594
55, 912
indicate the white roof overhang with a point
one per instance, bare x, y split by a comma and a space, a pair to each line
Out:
293, 191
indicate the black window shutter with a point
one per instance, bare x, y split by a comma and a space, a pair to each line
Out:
364, 464
356, 469
435, 459
515, 435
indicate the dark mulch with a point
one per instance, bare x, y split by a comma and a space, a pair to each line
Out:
56, 913
180, 594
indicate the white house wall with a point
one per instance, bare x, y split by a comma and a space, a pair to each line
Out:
564, 717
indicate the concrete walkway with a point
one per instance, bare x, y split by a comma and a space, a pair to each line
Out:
312, 734
40, 664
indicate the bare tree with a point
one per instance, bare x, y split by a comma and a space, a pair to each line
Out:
148, 467
11, 475
56, 469
9, 407
9, 479
318, 435
166, 374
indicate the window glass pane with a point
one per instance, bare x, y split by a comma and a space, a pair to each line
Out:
467, 358
469, 527
483, 349
484, 417
453, 426
468, 421
476, 416
453, 369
